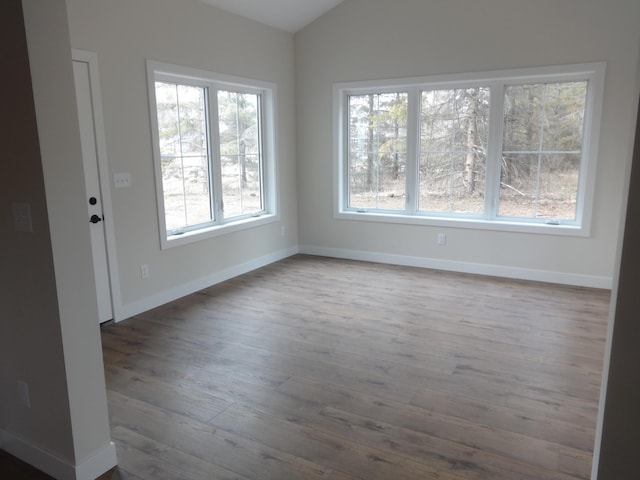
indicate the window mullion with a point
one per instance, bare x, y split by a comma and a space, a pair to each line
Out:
344, 150
413, 150
261, 150
494, 150
215, 177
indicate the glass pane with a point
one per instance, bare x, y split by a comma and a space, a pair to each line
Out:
559, 176
184, 154
543, 128
197, 190
241, 152
185, 185
251, 198
523, 105
241, 188
453, 143
193, 120
544, 117
435, 170
518, 184
540, 186
564, 116
467, 194
167, 108
378, 151
173, 189
445, 181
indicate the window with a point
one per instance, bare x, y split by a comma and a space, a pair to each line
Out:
453, 146
213, 148
503, 150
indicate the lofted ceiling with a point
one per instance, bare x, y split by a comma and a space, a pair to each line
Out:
288, 15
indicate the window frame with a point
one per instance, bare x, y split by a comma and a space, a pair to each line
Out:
497, 81
213, 82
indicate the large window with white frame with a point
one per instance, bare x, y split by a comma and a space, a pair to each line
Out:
214, 152
510, 150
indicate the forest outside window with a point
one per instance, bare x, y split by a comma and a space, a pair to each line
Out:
504, 150
213, 146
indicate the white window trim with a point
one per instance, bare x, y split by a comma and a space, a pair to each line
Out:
593, 72
164, 71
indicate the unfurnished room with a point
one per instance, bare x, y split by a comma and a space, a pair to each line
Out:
337, 239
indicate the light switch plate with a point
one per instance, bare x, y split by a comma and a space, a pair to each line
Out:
23, 394
22, 217
121, 180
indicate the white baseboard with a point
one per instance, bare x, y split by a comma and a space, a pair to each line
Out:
98, 463
132, 309
60, 468
463, 267
135, 308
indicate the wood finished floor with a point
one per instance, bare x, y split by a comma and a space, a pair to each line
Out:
314, 368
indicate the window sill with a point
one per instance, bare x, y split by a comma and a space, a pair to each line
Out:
216, 230
467, 223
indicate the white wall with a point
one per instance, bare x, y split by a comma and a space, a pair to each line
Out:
28, 298
49, 337
374, 39
124, 33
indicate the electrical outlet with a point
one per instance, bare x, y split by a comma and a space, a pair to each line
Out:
442, 239
144, 271
283, 231
23, 394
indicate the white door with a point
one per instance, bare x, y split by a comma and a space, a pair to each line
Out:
95, 208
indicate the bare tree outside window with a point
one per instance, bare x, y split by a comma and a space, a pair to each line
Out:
377, 150
240, 152
453, 149
510, 150
542, 147
214, 152
181, 111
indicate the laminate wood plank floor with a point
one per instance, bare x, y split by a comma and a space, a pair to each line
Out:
317, 368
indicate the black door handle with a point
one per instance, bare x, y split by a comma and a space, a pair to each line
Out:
95, 219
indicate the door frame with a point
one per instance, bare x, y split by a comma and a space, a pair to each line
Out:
91, 59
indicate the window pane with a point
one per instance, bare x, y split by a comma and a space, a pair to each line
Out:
378, 151
184, 154
453, 145
543, 129
522, 117
539, 186
517, 190
240, 153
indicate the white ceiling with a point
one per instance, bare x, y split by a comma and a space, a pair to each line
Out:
288, 15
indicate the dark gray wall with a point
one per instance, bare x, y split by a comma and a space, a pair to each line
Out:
621, 427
